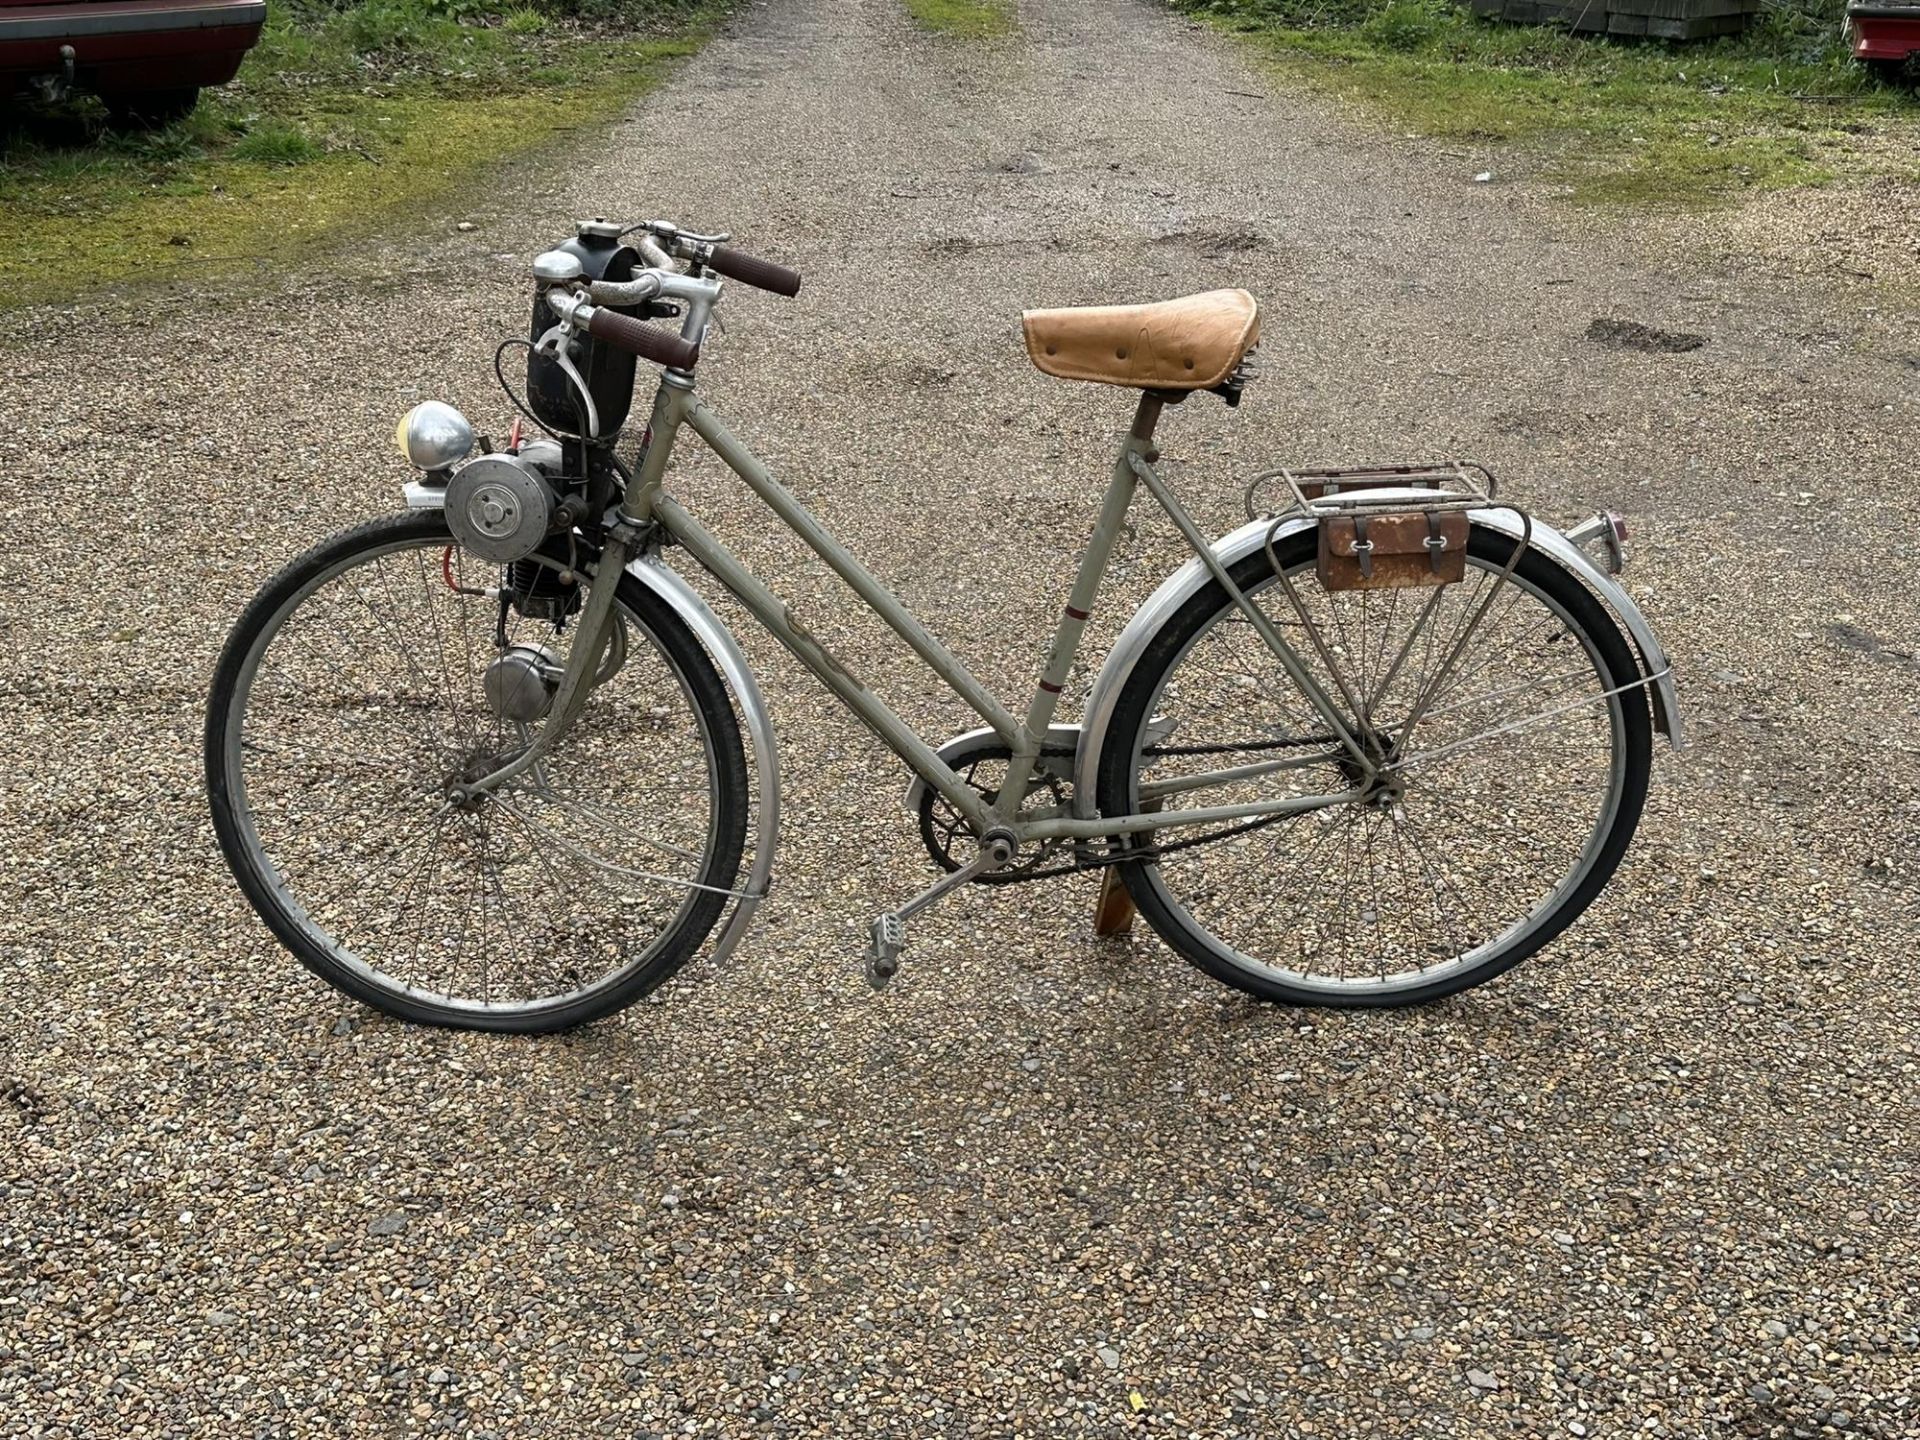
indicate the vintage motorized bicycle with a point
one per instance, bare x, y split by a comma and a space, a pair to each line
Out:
482, 763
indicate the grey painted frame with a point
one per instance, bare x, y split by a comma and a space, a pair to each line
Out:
675, 405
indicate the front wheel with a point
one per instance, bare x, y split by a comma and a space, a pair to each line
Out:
378, 673
1513, 779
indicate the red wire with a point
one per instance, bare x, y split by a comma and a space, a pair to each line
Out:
446, 569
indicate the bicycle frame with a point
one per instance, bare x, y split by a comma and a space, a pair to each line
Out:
647, 505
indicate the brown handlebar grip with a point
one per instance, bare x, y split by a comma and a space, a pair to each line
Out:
637, 337
755, 271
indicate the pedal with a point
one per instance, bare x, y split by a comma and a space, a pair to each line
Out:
885, 940
887, 936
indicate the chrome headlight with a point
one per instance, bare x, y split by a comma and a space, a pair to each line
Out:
433, 435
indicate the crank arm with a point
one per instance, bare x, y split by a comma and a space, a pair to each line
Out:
887, 936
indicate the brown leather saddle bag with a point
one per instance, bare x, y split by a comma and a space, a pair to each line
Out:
1392, 551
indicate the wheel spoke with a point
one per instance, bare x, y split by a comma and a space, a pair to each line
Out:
1465, 848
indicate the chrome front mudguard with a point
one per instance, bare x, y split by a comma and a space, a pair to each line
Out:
685, 602
1180, 586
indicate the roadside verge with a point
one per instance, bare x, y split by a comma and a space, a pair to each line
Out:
1610, 122
340, 121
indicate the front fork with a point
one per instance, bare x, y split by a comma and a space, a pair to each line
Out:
626, 537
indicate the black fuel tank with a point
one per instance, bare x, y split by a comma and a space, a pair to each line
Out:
609, 372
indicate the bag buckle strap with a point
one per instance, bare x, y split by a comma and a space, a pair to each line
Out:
1362, 546
1435, 542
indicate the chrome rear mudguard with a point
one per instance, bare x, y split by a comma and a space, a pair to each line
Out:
1180, 586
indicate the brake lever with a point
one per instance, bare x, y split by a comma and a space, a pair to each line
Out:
554, 345
674, 236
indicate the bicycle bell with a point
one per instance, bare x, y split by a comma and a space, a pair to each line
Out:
499, 507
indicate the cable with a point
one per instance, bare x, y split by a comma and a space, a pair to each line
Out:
513, 399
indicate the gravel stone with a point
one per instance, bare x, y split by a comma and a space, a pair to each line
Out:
945, 1241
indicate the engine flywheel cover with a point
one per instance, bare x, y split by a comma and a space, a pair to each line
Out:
499, 507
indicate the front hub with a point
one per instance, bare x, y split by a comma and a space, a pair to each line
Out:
459, 787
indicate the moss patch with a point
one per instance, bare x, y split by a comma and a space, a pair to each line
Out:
964, 19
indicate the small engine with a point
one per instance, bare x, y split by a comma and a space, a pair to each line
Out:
543, 591
500, 507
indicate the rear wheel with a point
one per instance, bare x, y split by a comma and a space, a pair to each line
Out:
360, 686
1513, 794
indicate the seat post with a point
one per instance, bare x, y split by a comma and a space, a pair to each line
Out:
1146, 416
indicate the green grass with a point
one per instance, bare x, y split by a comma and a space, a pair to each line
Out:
340, 121
964, 19
1619, 122
273, 142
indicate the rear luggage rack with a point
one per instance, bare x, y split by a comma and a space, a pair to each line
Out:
1318, 494
1414, 540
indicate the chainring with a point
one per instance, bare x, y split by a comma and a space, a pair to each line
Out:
942, 827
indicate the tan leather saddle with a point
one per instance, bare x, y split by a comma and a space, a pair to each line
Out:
1192, 343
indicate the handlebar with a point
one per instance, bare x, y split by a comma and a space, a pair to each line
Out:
583, 304
662, 238
637, 337
752, 270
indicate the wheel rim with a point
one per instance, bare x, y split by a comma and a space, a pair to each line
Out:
1377, 899
362, 697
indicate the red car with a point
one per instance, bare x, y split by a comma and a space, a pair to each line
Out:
146, 58
1884, 36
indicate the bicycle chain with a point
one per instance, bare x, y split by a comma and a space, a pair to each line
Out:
1154, 852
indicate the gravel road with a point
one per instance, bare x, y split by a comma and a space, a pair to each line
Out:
1659, 1181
